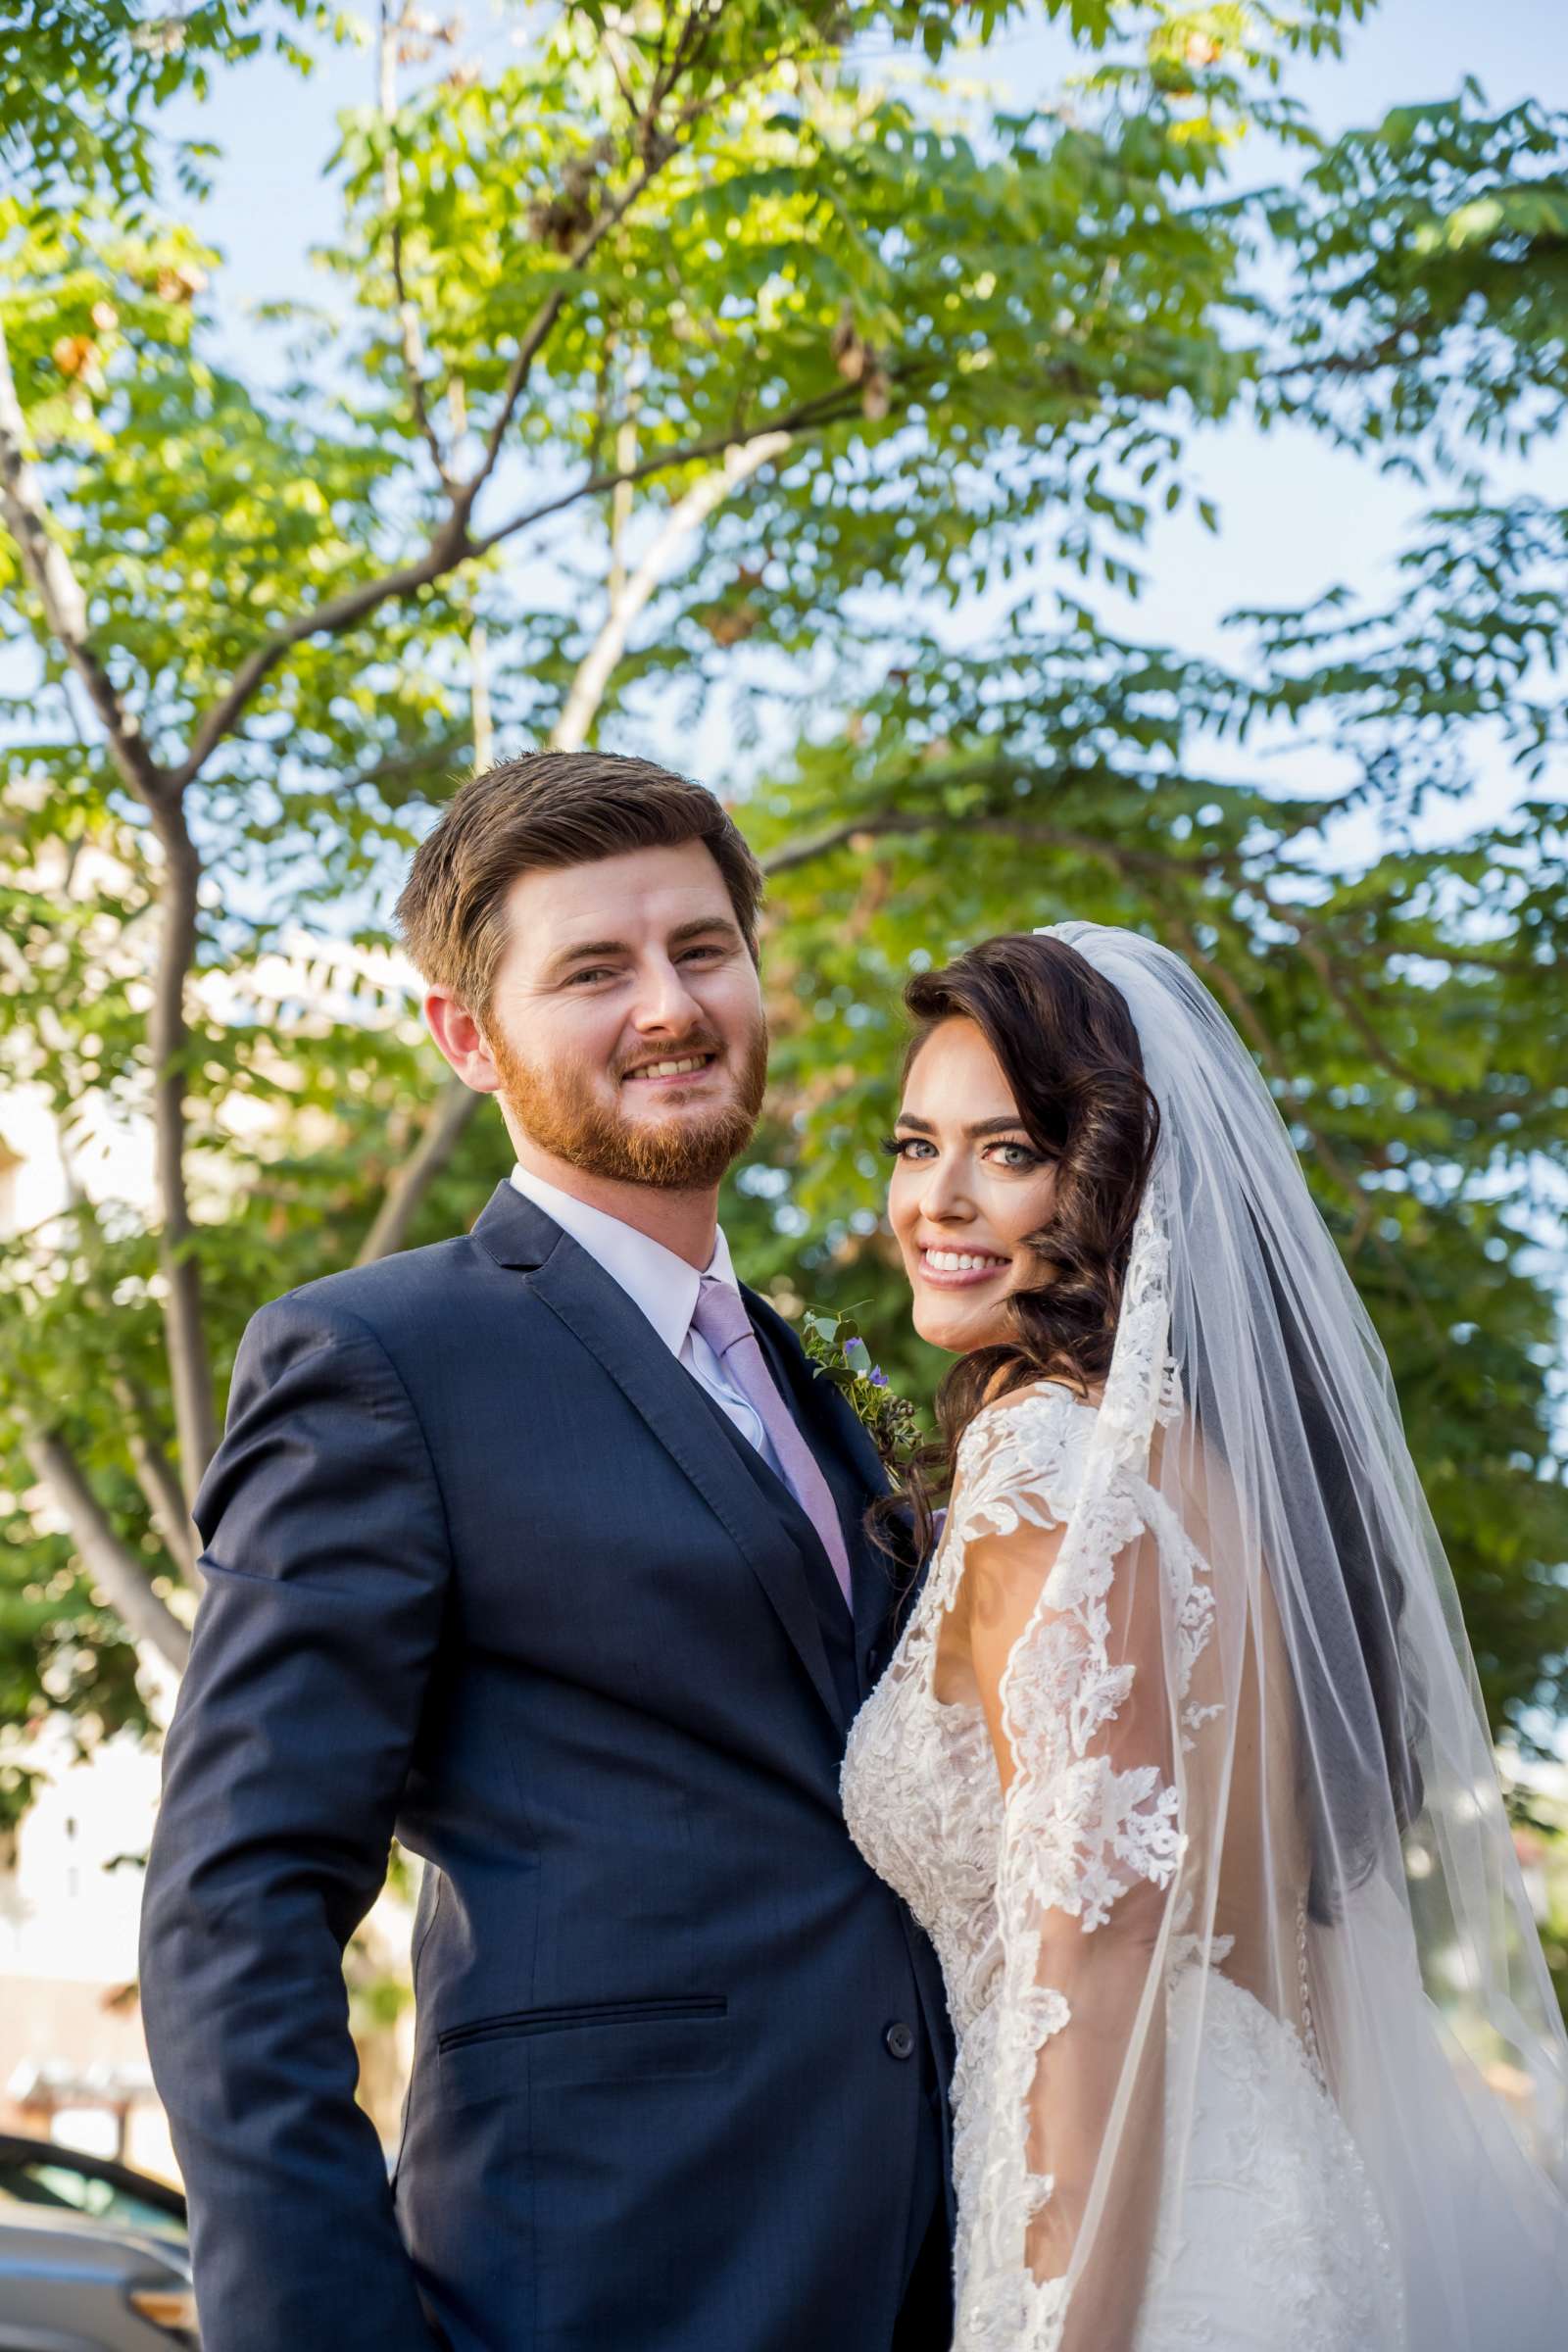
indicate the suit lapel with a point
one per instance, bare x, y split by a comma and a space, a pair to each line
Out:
598, 1313
517, 1233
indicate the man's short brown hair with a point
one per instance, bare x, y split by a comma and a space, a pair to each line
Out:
550, 810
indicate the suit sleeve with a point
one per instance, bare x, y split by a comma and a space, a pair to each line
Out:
327, 1561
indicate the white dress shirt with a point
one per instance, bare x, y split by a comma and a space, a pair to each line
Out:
661, 1286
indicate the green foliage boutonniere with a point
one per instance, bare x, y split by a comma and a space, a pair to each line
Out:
833, 1346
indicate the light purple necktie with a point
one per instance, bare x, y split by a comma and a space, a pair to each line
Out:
721, 1318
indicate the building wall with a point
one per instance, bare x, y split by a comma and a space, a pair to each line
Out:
73, 2058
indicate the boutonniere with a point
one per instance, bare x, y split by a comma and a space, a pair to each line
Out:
835, 1348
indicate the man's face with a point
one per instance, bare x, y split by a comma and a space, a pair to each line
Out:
626, 1028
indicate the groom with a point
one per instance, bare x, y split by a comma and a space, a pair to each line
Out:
541, 1548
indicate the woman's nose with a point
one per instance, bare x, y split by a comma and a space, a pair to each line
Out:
943, 1197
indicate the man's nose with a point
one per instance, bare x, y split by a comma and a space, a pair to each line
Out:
663, 1000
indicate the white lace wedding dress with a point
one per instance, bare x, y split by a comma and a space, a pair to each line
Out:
1148, 2156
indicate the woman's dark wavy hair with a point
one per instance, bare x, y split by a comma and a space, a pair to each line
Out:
1070, 1050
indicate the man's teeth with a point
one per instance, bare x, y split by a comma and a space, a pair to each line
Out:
673, 1069
958, 1261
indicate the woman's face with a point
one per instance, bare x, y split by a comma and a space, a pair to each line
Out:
967, 1187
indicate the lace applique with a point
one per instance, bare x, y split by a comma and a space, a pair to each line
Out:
1076, 1831
1019, 1464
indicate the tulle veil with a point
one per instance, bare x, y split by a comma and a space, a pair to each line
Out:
1346, 1855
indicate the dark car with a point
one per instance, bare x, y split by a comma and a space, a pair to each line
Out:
92, 2255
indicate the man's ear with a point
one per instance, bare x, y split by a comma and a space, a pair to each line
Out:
461, 1040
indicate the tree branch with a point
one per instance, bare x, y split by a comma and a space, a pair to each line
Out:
688, 514
156, 1477
449, 547
537, 330
827, 407
54, 582
414, 360
657, 147
619, 65
877, 823
412, 339
1387, 352
189, 1363
110, 1564
403, 763
874, 823
1343, 992
65, 608
454, 1106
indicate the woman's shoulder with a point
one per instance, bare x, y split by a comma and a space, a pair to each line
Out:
1036, 1400
1030, 1438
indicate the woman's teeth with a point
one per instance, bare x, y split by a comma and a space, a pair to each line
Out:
959, 1261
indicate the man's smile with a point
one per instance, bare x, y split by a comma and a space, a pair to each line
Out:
669, 1071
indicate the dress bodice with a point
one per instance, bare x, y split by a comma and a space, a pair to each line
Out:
920, 1791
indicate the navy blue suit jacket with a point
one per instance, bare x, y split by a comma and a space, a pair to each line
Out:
488, 1570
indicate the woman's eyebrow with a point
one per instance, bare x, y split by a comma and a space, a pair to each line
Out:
977, 1128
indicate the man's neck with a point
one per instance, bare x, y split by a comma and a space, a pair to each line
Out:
685, 1223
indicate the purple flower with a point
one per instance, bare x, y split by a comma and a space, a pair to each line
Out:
877, 1377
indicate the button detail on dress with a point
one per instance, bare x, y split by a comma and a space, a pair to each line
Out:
899, 2040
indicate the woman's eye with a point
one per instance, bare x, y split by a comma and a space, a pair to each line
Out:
1023, 1156
904, 1147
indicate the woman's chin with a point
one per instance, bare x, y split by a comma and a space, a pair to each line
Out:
956, 1330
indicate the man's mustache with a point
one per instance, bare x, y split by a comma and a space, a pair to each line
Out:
678, 1051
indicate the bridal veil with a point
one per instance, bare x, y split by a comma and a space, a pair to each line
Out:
1247, 1745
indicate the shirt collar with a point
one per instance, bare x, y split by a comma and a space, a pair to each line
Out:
663, 1286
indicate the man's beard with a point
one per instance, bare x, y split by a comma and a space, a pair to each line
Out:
557, 1110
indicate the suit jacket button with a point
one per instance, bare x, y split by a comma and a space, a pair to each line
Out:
899, 2040
873, 1663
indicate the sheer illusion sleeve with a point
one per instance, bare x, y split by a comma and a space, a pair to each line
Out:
1076, 1647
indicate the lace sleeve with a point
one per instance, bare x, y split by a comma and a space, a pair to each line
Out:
1068, 1641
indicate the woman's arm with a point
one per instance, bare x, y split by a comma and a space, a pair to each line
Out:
1076, 1697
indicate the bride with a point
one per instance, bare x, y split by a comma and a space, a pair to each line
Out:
1180, 1758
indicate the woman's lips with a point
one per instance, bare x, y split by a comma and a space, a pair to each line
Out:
960, 1269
